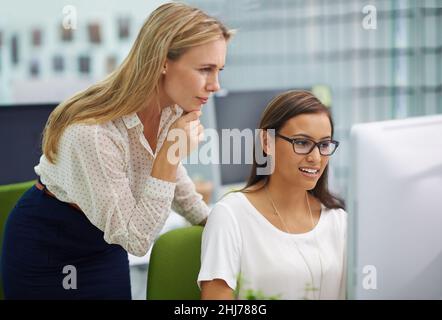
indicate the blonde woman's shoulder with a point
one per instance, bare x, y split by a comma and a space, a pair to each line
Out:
85, 136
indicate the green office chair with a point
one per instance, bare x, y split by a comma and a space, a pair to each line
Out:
9, 195
174, 265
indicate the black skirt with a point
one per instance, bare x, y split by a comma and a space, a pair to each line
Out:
52, 251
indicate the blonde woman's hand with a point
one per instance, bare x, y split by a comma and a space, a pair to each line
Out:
184, 136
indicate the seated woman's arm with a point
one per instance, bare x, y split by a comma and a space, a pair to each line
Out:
220, 255
216, 289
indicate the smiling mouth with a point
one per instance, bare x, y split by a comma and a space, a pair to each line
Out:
309, 172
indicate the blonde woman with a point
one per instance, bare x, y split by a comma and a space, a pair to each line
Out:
106, 182
283, 236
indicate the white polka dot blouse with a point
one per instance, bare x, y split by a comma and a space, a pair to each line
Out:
105, 170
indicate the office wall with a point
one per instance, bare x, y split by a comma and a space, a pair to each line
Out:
32, 75
393, 71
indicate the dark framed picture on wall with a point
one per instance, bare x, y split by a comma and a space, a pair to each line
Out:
1, 44
36, 37
66, 34
34, 68
123, 27
84, 64
111, 63
58, 63
14, 50
94, 31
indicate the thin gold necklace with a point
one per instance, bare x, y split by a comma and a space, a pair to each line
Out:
300, 252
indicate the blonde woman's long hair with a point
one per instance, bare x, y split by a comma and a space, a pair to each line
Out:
167, 33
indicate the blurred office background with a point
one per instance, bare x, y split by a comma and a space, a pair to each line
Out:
368, 60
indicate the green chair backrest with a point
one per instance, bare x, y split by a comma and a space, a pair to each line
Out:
174, 265
9, 195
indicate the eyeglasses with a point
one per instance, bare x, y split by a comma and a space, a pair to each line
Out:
305, 146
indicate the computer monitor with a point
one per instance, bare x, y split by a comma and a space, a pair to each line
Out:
239, 110
395, 210
21, 129
242, 109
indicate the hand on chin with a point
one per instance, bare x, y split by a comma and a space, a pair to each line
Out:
191, 109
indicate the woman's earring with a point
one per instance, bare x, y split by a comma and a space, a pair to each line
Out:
164, 71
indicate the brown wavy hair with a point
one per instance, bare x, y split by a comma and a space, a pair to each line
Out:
281, 109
